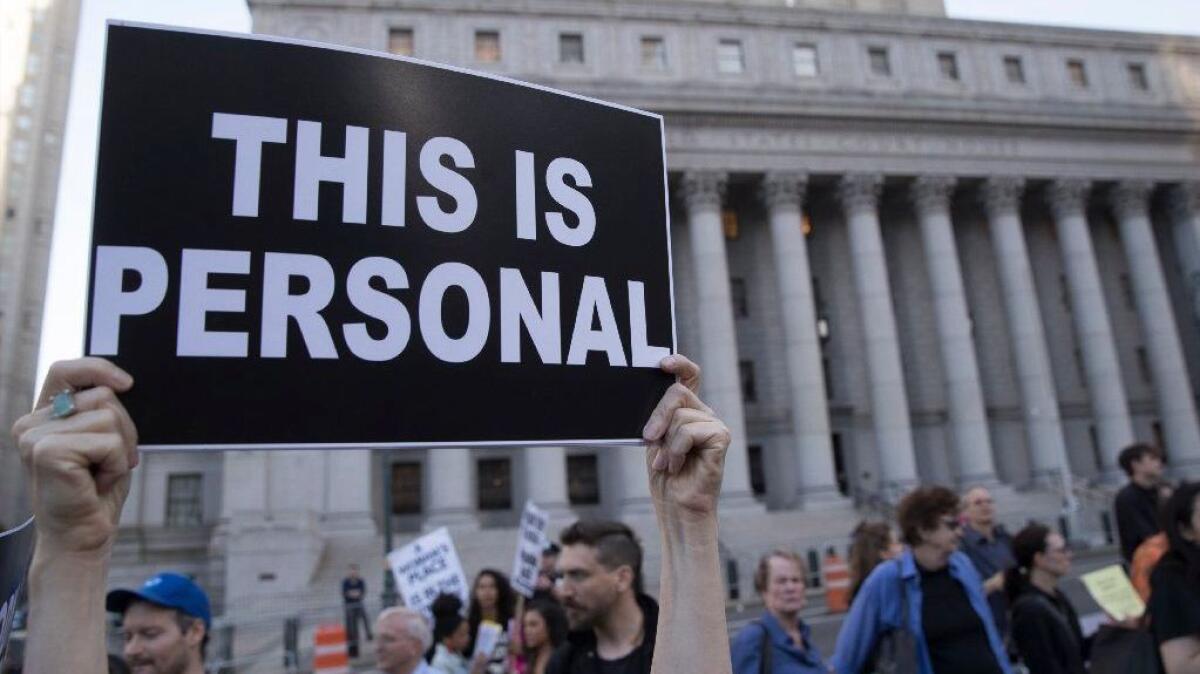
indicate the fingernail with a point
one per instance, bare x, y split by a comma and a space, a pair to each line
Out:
660, 461
650, 430
668, 361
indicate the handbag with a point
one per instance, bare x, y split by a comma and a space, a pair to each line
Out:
896, 650
1120, 650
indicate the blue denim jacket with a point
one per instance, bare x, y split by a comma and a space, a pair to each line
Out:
876, 609
785, 657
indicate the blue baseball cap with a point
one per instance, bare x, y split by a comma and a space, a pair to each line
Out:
170, 590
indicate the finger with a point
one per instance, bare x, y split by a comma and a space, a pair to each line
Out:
686, 372
678, 419
100, 397
691, 435
82, 373
100, 420
64, 455
677, 396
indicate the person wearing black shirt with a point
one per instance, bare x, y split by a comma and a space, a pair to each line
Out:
1136, 504
1045, 627
354, 593
1175, 585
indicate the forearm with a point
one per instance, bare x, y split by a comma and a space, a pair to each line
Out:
691, 633
66, 612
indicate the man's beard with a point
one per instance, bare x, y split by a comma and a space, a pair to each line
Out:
173, 665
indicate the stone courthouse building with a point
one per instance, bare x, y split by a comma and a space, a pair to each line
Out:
907, 249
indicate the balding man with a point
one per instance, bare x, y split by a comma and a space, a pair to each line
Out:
990, 548
401, 638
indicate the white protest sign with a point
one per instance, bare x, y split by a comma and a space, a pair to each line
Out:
531, 540
427, 567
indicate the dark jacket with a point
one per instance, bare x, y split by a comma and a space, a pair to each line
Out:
578, 654
1137, 517
1046, 633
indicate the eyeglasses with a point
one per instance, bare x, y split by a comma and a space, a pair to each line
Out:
951, 523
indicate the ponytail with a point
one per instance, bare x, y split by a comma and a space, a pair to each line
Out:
1025, 546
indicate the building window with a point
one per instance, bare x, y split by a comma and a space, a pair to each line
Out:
1077, 73
583, 479
406, 488
185, 500
570, 48
487, 46
839, 465
737, 289
758, 480
1137, 77
731, 57
749, 388
1095, 438
1014, 70
804, 60
827, 371
948, 65
400, 41
654, 53
881, 65
494, 484
729, 223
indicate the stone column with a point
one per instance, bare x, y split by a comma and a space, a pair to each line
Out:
546, 480
1184, 200
631, 491
783, 194
964, 395
451, 487
347, 484
1043, 427
1176, 402
859, 194
702, 193
1110, 408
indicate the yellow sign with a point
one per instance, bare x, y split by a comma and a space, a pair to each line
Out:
1111, 589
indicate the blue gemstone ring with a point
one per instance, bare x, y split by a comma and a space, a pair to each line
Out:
62, 405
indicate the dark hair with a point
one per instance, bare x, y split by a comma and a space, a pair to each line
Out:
1180, 510
551, 549
615, 544
762, 573
1136, 452
505, 603
1025, 546
554, 617
870, 539
921, 509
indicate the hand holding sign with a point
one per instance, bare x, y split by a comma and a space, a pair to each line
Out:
686, 446
79, 462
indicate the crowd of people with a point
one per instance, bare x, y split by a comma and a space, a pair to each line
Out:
944, 588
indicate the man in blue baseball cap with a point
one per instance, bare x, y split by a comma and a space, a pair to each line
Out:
165, 624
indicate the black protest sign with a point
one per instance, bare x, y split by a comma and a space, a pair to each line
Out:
297, 245
16, 549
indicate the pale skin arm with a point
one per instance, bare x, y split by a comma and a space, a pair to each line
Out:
994, 584
685, 457
78, 471
1181, 655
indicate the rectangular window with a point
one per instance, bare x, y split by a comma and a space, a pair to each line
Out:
827, 371
494, 484
1077, 73
654, 53
487, 46
729, 223
804, 60
881, 65
948, 65
749, 388
731, 58
406, 488
737, 289
1137, 77
1014, 69
400, 41
583, 480
839, 465
570, 48
185, 500
758, 479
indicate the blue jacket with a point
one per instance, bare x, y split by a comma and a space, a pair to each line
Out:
785, 657
876, 609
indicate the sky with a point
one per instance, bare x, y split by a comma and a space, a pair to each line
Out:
62, 326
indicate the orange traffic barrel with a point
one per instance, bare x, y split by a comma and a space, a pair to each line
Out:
329, 650
836, 575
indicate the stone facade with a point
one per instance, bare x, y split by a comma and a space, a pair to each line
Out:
951, 251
